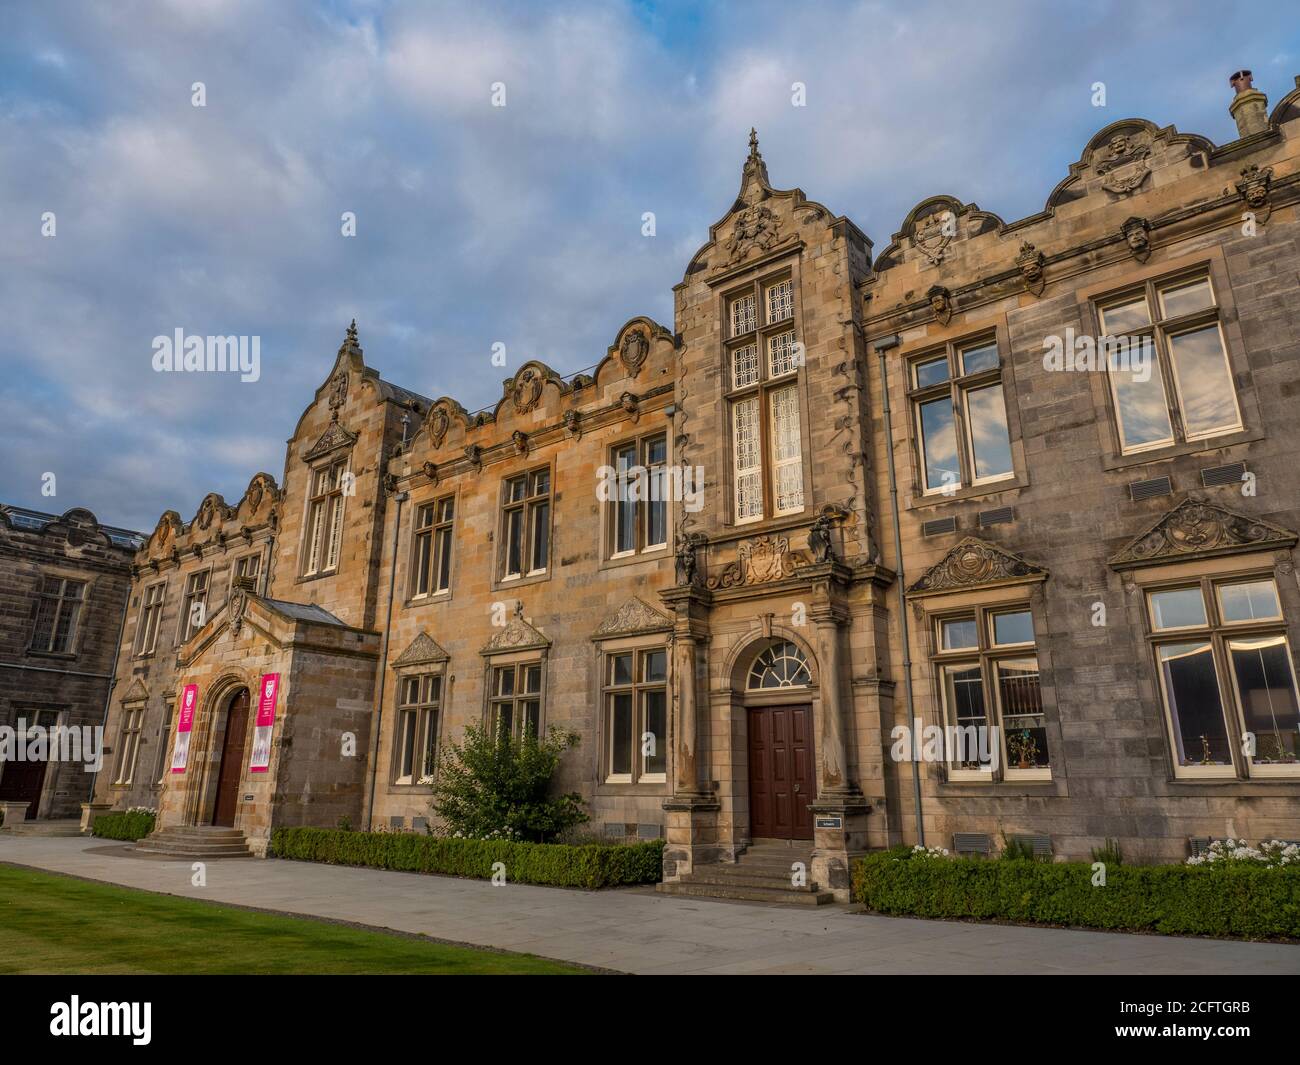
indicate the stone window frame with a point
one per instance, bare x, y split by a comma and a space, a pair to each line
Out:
426, 675
324, 499
1208, 577
129, 734
241, 563
762, 388
30, 714
78, 621
1161, 330
957, 387
637, 648
609, 509
929, 697
519, 661
987, 654
528, 574
184, 631
162, 766
437, 525
1211, 261
147, 628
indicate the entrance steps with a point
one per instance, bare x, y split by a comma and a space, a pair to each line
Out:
764, 873
196, 841
44, 828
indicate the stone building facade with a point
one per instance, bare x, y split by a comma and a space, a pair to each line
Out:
735, 658
64, 581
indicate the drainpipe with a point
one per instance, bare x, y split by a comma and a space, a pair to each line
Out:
882, 345
400, 498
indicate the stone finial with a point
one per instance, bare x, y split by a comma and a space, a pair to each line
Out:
1249, 107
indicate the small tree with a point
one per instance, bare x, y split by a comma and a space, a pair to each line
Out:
496, 785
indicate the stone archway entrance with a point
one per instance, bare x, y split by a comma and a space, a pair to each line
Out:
231, 769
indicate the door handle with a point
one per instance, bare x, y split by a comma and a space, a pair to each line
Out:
796, 787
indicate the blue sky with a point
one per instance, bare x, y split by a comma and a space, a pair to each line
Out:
479, 224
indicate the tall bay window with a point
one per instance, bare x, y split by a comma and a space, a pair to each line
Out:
639, 508
525, 525
325, 519
418, 706
762, 378
431, 568
194, 604
960, 414
151, 609
515, 704
129, 745
1227, 678
636, 716
57, 612
1170, 380
989, 684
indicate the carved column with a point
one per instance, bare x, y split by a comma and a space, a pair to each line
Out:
687, 779
834, 776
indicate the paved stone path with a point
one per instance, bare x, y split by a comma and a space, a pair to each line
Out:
637, 930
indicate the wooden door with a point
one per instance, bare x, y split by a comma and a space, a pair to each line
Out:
22, 782
780, 772
232, 761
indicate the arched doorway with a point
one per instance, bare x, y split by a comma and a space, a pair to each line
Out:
231, 769
782, 760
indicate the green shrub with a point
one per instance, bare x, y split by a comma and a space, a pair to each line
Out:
129, 825
525, 863
1243, 900
1109, 853
494, 785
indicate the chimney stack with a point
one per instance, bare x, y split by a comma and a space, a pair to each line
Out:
1249, 108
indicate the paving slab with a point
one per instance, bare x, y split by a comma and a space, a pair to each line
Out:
634, 930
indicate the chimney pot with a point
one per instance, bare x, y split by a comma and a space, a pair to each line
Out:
1249, 107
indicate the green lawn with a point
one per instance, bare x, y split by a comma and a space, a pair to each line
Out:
55, 924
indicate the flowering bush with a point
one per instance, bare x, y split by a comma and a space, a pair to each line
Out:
930, 852
1273, 852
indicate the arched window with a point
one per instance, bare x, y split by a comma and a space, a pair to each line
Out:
782, 665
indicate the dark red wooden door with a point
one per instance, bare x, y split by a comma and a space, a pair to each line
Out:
780, 772
232, 761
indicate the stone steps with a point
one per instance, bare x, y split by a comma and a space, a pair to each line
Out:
196, 841
761, 874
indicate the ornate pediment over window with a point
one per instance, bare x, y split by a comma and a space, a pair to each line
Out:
334, 438
136, 693
976, 563
1197, 529
632, 619
517, 635
423, 650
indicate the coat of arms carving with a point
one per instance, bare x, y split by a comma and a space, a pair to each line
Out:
934, 233
439, 423
755, 227
633, 351
527, 390
768, 558
1125, 166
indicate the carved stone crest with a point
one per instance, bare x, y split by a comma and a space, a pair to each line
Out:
338, 392
238, 608
768, 558
1137, 235
1125, 166
633, 351
755, 228
934, 233
1031, 263
975, 563
516, 635
527, 390
1196, 528
438, 424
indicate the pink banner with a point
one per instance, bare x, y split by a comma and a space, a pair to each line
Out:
265, 723
184, 725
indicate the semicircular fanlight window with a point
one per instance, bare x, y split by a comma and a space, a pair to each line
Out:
782, 665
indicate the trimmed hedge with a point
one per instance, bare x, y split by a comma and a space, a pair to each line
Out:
589, 866
129, 826
1241, 900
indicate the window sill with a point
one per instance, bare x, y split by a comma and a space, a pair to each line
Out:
505, 584
654, 554
1191, 447
608, 788
975, 491
427, 600
58, 656
1003, 789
